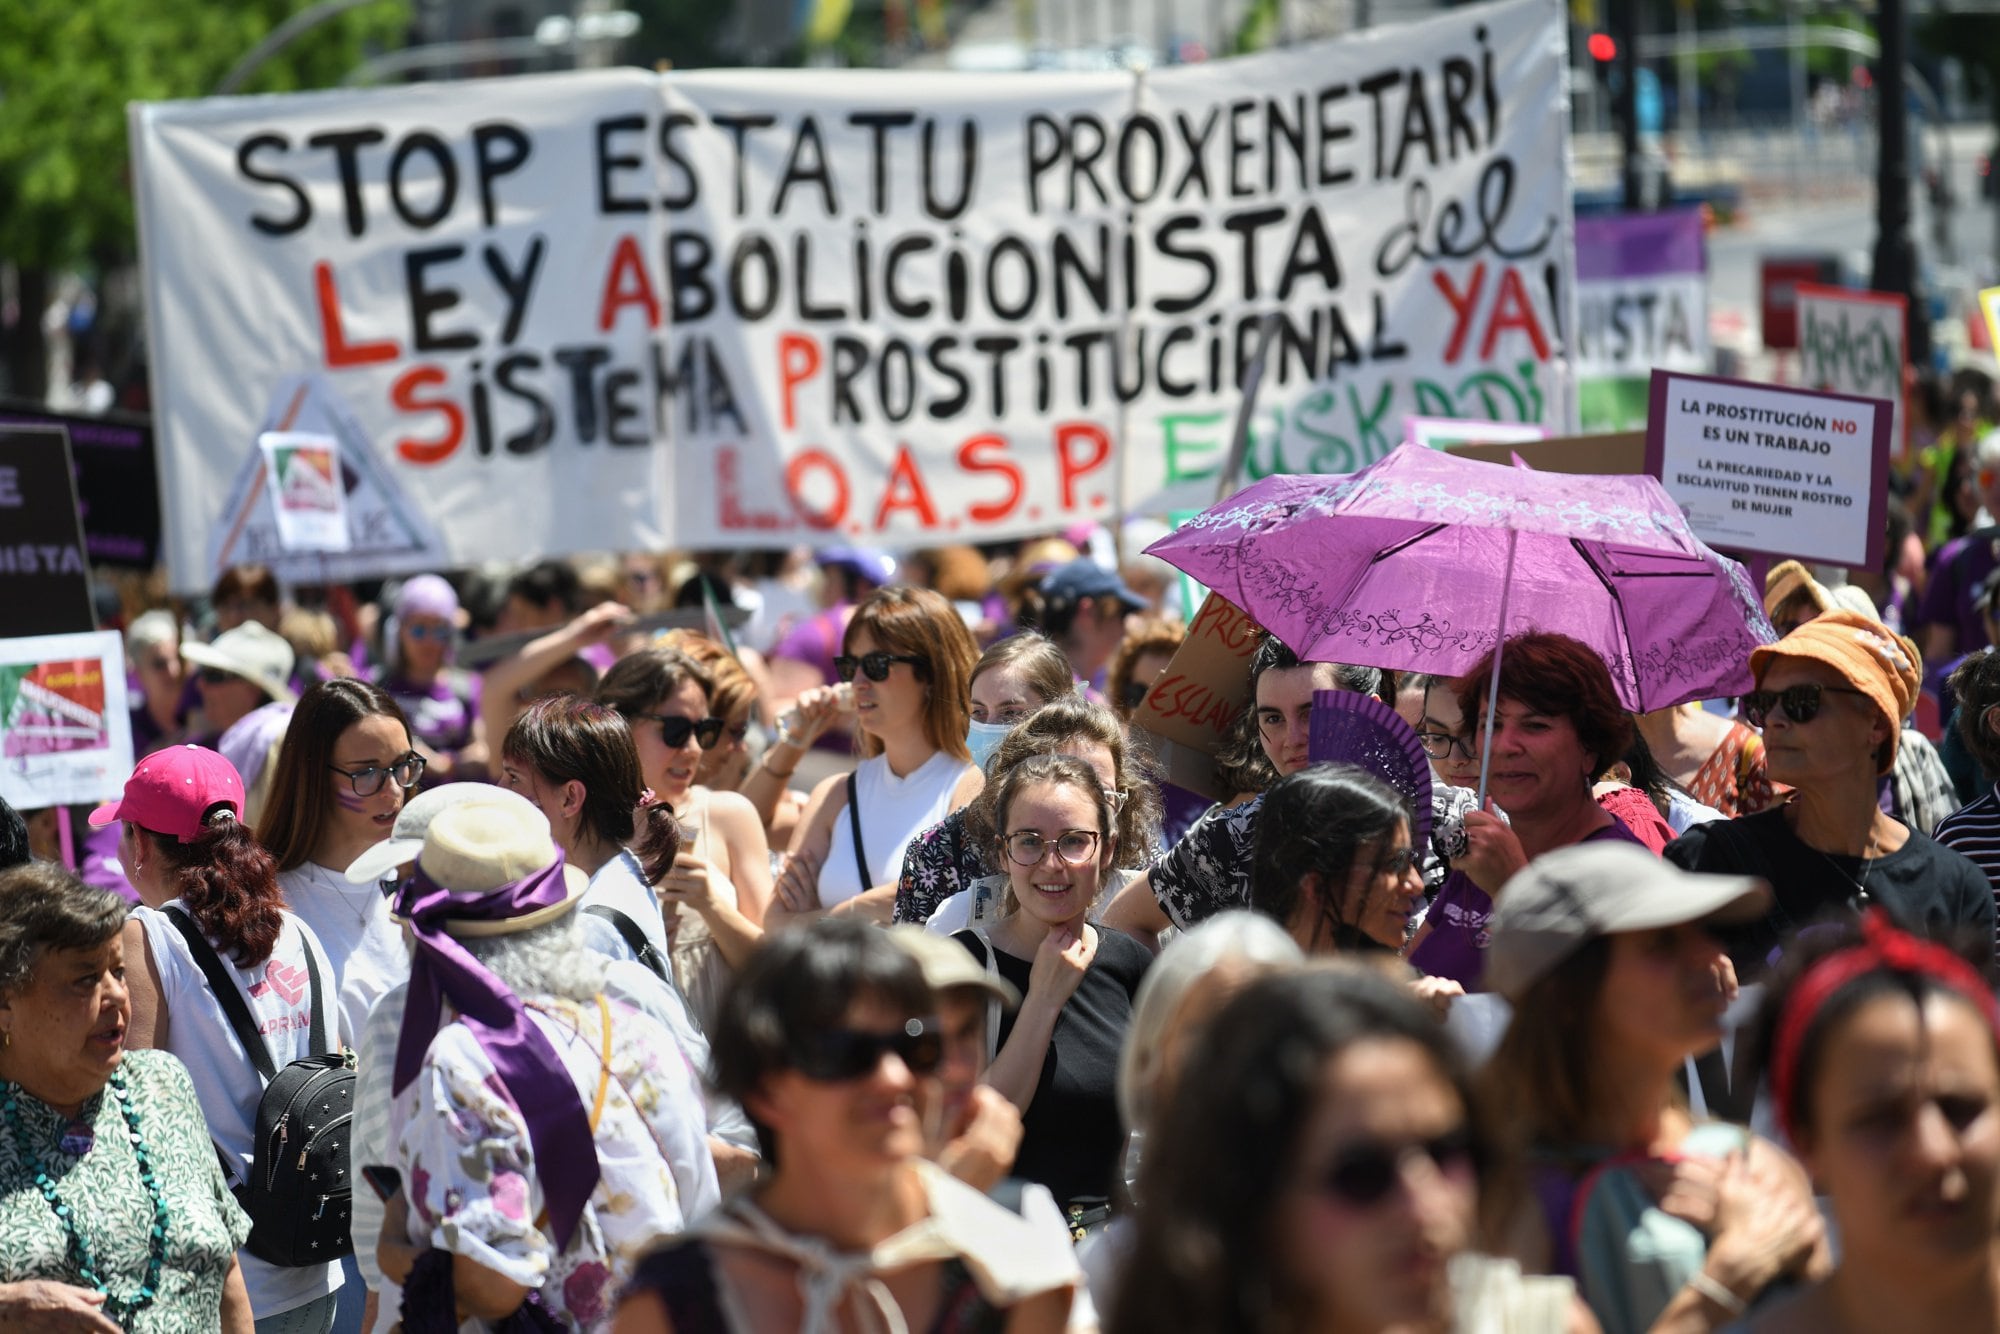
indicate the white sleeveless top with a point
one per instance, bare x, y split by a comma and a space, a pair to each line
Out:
225, 1082
893, 811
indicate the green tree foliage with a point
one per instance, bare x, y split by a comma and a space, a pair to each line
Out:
68, 69
690, 33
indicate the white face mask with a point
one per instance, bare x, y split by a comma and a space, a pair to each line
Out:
982, 739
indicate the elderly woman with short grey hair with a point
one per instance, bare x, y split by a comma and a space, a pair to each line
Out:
113, 1212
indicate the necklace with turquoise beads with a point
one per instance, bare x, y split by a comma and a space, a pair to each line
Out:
118, 1308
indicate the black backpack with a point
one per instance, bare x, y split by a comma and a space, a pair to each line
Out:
299, 1196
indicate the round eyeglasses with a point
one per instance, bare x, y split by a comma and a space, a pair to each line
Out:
407, 769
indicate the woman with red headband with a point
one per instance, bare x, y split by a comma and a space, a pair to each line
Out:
1884, 1059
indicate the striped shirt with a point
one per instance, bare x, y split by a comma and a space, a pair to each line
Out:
1974, 830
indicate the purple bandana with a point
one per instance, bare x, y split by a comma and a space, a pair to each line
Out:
534, 1075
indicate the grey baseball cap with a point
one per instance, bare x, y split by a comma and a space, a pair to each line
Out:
406, 837
1565, 898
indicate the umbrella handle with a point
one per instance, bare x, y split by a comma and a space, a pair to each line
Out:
1493, 681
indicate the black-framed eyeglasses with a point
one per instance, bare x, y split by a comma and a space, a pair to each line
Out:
839, 1055
1440, 745
876, 665
407, 769
1025, 847
1801, 702
1363, 1175
675, 730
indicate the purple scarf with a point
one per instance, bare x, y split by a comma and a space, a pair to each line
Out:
528, 1066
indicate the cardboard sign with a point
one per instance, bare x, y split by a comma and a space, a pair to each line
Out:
1194, 705
730, 308
44, 571
118, 489
1852, 343
65, 722
1619, 454
1782, 472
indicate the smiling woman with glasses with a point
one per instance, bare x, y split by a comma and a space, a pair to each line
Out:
342, 773
955, 874
1322, 1168
1831, 698
829, 1042
1057, 1058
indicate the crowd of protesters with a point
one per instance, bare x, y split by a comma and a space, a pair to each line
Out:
812, 942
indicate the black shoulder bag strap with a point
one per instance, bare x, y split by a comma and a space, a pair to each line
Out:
236, 1009
634, 938
854, 823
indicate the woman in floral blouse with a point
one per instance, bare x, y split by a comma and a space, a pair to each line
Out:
113, 1212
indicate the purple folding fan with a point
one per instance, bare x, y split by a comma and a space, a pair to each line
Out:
1351, 728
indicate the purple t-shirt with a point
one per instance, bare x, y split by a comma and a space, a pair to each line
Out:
1459, 918
1961, 566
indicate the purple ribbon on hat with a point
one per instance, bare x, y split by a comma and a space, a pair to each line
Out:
528, 1066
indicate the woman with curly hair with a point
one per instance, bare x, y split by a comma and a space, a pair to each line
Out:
211, 902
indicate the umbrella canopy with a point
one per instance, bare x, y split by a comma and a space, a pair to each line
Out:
1411, 562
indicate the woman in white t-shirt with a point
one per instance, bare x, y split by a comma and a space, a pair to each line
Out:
910, 658
342, 774
185, 850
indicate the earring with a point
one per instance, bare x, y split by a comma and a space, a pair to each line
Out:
6, 1040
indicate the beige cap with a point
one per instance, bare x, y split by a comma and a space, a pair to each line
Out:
948, 964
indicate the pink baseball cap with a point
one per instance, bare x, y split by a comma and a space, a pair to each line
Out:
172, 789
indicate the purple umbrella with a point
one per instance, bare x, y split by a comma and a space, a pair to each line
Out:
1424, 560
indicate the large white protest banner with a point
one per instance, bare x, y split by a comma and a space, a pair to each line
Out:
743, 308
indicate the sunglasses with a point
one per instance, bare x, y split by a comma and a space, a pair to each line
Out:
1398, 864
1440, 745
216, 676
1801, 703
1027, 848
1134, 695
843, 1054
675, 731
876, 665
420, 632
739, 732
407, 770
1366, 1174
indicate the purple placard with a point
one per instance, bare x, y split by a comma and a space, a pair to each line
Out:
1640, 245
1877, 468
